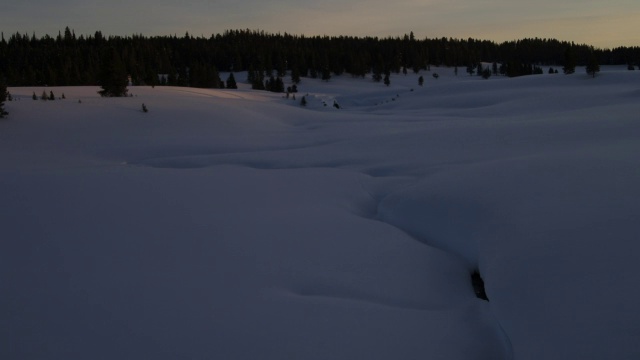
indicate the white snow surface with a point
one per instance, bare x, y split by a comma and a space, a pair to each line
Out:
237, 224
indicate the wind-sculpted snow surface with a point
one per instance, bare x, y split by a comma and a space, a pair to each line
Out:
240, 225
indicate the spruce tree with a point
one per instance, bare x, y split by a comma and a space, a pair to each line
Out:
303, 101
593, 66
113, 76
295, 75
569, 61
231, 82
326, 73
470, 69
3, 97
420, 80
278, 85
377, 75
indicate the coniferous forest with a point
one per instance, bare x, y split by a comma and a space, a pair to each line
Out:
67, 59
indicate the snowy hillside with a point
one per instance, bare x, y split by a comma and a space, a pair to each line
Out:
237, 224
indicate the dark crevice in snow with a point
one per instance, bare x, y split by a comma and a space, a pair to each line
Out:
478, 285
477, 281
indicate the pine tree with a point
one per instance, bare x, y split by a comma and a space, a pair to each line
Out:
44, 96
377, 74
303, 101
3, 97
231, 82
295, 75
593, 66
569, 61
326, 73
278, 85
113, 76
386, 80
470, 69
420, 80
51, 96
34, 97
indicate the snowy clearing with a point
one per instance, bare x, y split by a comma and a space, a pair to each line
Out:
240, 225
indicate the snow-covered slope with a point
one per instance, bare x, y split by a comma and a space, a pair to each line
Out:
240, 225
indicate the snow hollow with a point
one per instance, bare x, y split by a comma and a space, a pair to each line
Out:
238, 224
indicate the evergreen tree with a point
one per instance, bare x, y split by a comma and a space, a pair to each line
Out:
377, 75
278, 85
51, 96
303, 101
295, 75
3, 97
470, 69
231, 82
569, 61
593, 66
420, 80
326, 74
113, 76
386, 80
258, 80
44, 96
34, 97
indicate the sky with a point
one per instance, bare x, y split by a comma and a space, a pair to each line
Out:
604, 24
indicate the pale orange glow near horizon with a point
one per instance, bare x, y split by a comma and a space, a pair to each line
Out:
604, 25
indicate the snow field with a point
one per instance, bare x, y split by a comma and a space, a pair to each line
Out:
240, 225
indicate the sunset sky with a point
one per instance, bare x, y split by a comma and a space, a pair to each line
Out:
603, 24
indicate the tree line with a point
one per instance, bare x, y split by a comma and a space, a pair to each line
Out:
67, 59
